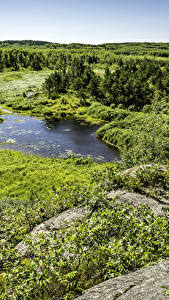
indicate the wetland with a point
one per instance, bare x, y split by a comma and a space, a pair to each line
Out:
53, 139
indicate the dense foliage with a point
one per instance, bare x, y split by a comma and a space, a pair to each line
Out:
112, 239
16, 59
131, 84
125, 88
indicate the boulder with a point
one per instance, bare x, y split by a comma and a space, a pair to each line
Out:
54, 223
31, 94
145, 284
133, 171
124, 196
10, 141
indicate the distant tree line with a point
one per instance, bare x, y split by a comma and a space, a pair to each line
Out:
15, 59
23, 43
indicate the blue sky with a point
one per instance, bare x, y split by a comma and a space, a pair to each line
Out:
86, 21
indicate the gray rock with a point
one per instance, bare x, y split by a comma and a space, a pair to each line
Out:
133, 171
10, 141
144, 284
30, 94
160, 194
54, 223
123, 196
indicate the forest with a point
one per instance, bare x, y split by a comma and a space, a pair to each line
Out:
125, 89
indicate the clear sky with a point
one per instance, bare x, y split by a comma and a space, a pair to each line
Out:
86, 21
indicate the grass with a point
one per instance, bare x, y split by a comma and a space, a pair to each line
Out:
21, 173
12, 83
33, 189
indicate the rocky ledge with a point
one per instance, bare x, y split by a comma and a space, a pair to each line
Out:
123, 196
54, 223
146, 284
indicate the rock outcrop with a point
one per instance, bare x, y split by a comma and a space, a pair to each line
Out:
145, 284
133, 171
54, 223
31, 94
124, 196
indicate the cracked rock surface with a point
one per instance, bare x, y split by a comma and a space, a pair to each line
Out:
122, 196
144, 284
54, 223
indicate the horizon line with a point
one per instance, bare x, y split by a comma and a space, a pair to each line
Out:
88, 43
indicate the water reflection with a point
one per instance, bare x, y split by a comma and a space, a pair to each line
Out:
35, 136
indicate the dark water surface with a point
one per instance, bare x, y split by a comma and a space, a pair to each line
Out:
60, 139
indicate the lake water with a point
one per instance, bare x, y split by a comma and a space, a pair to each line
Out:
59, 139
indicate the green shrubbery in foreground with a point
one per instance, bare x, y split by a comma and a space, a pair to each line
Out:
113, 239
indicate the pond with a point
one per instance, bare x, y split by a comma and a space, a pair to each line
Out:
60, 139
